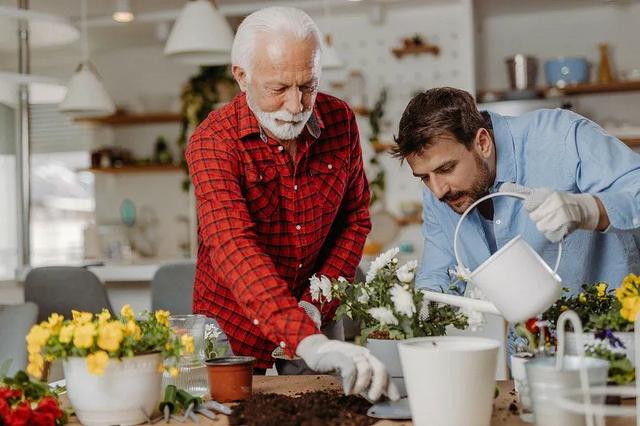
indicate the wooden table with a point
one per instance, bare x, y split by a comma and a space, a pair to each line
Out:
290, 385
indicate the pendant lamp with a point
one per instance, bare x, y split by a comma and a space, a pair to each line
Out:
330, 58
45, 30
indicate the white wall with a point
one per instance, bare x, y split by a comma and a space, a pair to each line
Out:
547, 29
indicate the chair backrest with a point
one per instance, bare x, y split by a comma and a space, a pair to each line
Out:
172, 287
63, 288
15, 322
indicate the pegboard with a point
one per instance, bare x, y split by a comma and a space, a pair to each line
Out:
365, 45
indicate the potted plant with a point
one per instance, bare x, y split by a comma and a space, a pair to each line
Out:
112, 366
24, 401
389, 308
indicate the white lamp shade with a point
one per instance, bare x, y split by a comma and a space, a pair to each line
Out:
44, 29
42, 89
200, 36
86, 94
330, 58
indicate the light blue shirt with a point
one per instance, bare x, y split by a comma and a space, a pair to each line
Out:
555, 149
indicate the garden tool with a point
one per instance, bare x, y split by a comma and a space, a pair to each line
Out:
168, 404
216, 406
516, 281
205, 412
194, 417
188, 402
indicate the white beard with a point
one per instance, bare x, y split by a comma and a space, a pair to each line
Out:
284, 132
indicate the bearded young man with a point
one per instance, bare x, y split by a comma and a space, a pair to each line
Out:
281, 194
583, 186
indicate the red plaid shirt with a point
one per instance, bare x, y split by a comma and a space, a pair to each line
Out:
266, 225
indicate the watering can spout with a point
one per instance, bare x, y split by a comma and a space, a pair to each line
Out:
483, 306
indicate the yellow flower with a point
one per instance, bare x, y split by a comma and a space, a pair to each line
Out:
564, 308
582, 298
34, 371
81, 317
55, 323
630, 308
97, 362
127, 312
83, 336
173, 372
168, 346
133, 329
37, 338
104, 316
162, 317
66, 333
187, 342
629, 288
160, 368
110, 335
36, 365
601, 288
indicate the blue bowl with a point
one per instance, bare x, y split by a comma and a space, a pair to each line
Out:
563, 71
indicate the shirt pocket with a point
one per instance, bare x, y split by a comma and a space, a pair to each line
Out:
262, 192
328, 174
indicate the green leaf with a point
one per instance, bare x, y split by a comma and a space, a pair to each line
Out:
4, 368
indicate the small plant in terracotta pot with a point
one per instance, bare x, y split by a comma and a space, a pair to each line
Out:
230, 377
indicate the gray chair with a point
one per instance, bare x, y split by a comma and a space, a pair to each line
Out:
15, 322
172, 287
61, 289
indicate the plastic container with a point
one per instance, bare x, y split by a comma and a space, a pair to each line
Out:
230, 378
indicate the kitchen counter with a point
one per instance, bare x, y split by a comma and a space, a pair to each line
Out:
290, 385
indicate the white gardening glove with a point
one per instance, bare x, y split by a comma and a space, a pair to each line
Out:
361, 372
557, 213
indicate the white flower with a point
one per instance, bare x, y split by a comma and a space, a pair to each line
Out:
320, 286
343, 280
364, 296
475, 319
407, 271
403, 301
380, 262
383, 315
211, 332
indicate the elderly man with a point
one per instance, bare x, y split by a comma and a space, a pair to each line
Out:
581, 184
281, 194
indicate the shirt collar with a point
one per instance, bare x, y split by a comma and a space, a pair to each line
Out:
248, 123
505, 151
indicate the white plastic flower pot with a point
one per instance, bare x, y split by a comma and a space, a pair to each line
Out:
121, 396
440, 372
387, 352
521, 384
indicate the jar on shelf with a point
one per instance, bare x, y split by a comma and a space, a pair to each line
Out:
356, 90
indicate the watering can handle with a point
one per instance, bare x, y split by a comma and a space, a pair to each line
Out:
461, 266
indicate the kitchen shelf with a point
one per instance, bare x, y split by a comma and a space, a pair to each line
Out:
631, 142
364, 111
124, 119
399, 52
591, 88
155, 168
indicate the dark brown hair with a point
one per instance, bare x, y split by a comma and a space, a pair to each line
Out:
434, 113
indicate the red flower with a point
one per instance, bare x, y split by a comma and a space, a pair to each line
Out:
8, 393
42, 419
4, 409
531, 325
20, 415
49, 406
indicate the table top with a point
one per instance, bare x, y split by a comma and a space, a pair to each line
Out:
291, 385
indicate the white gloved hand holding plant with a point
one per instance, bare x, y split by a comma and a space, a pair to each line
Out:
558, 213
361, 372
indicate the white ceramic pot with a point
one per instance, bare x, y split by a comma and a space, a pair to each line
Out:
120, 395
519, 374
627, 339
440, 372
387, 352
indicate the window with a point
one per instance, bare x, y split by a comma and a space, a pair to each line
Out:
8, 210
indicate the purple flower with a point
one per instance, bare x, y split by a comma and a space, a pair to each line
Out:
607, 334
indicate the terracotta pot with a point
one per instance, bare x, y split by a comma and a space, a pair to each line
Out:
230, 377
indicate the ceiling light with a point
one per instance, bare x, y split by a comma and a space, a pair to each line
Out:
123, 11
201, 36
330, 59
86, 94
44, 29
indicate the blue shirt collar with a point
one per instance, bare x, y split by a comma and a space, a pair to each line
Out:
505, 152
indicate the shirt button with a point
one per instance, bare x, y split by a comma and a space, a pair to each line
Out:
260, 177
256, 322
295, 187
300, 266
498, 222
330, 166
298, 227
281, 148
283, 345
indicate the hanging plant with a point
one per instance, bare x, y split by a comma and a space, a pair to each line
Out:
377, 184
203, 93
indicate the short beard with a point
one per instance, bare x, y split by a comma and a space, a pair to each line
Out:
479, 189
283, 132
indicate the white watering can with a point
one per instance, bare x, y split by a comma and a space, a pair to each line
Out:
517, 282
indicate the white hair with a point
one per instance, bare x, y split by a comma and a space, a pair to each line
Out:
272, 20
